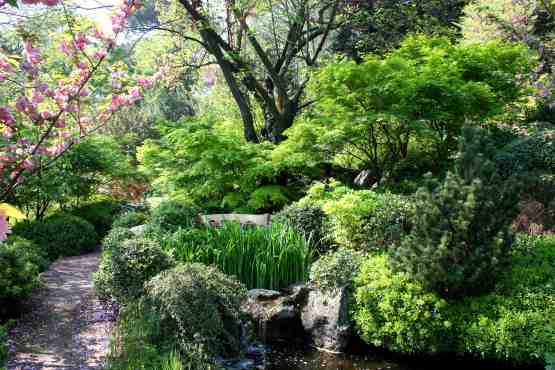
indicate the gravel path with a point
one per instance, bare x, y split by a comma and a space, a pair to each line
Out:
67, 327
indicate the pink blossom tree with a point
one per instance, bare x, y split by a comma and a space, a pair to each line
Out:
48, 114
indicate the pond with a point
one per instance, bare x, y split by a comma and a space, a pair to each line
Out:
282, 358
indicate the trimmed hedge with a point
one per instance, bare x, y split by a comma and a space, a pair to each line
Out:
59, 235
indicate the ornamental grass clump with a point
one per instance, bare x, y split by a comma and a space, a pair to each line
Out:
269, 258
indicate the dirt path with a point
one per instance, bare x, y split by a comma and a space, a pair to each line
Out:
67, 327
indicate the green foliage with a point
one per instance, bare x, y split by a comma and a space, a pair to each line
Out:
32, 252
130, 219
260, 257
308, 220
371, 115
461, 238
381, 25
392, 311
514, 323
207, 161
268, 198
18, 273
199, 305
75, 177
138, 344
59, 235
100, 214
171, 215
125, 267
115, 237
335, 269
362, 219
3, 346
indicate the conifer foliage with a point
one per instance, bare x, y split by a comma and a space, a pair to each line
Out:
461, 238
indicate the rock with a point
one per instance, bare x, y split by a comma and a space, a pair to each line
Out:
326, 318
276, 315
139, 230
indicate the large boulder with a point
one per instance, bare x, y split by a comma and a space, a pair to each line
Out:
325, 316
276, 315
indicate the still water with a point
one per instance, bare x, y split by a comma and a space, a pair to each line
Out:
309, 359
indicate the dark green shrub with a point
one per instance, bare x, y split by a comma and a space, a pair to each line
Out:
18, 275
461, 240
100, 214
32, 252
3, 346
335, 269
514, 324
138, 343
199, 305
130, 219
171, 215
125, 267
260, 257
59, 235
309, 221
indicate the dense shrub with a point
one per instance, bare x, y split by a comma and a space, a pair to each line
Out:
59, 235
394, 312
309, 220
138, 343
461, 240
100, 214
200, 305
335, 270
260, 257
171, 215
362, 219
32, 252
115, 237
130, 219
18, 275
126, 267
515, 323
3, 346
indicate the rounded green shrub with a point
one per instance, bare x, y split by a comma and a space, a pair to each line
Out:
33, 252
395, 312
59, 235
335, 269
308, 220
18, 275
171, 215
130, 219
125, 267
100, 214
362, 219
115, 237
199, 304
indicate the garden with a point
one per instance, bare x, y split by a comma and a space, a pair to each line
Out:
279, 184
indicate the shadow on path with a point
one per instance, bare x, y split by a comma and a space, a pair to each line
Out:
66, 327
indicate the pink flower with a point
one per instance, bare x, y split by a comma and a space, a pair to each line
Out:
6, 116
4, 65
100, 54
4, 227
33, 54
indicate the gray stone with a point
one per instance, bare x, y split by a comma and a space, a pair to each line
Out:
276, 315
139, 230
326, 318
